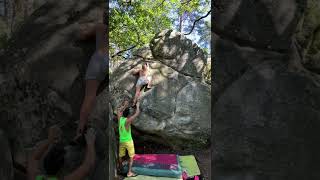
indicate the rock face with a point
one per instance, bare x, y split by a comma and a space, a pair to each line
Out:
179, 53
308, 36
266, 104
13, 13
177, 109
42, 73
6, 165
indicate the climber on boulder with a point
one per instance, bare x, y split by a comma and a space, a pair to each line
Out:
52, 151
125, 137
96, 74
143, 80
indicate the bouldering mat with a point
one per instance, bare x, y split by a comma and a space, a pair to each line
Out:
190, 165
143, 177
159, 165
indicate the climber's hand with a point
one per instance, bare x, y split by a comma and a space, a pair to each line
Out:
125, 104
54, 134
90, 137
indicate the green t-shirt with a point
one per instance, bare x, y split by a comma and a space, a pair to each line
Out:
125, 135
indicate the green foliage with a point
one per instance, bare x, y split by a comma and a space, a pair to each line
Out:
134, 23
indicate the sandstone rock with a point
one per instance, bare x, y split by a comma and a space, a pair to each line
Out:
266, 111
267, 122
308, 36
242, 21
232, 61
144, 52
42, 74
175, 50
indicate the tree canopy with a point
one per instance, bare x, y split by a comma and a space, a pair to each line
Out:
132, 23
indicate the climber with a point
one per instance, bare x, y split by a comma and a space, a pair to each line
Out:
143, 80
96, 74
53, 151
125, 137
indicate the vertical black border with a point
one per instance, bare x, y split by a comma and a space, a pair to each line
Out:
212, 89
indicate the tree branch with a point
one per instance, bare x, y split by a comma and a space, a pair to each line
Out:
194, 23
186, 2
122, 51
162, 2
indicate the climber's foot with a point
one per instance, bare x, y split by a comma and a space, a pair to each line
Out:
131, 174
147, 88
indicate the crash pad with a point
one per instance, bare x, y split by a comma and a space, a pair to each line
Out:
143, 177
159, 165
190, 165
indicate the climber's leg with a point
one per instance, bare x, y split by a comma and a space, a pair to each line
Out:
136, 96
149, 82
131, 152
130, 173
122, 153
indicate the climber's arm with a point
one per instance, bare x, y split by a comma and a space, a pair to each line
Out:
136, 114
119, 112
84, 169
53, 134
135, 71
88, 103
33, 161
88, 163
122, 108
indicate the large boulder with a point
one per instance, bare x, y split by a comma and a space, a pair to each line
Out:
177, 109
268, 122
249, 32
233, 60
43, 71
178, 52
242, 21
266, 108
42, 74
